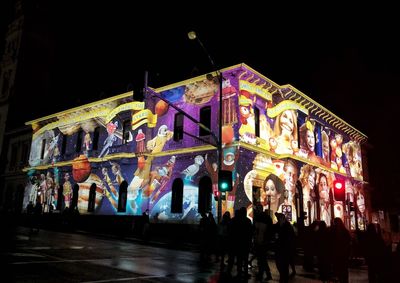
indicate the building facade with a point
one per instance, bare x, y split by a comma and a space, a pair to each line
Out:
13, 179
25, 73
123, 157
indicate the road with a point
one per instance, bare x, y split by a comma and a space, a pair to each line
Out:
50, 256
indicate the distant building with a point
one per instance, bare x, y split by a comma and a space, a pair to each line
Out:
117, 156
24, 77
13, 179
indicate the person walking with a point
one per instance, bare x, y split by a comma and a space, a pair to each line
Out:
283, 247
223, 238
38, 210
341, 250
262, 237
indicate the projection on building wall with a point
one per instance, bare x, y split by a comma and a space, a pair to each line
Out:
120, 157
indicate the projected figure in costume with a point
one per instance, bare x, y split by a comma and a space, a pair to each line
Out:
247, 127
228, 103
67, 190
116, 170
162, 175
87, 141
140, 144
192, 170
212, 169
108, 183
307, 179
324, 199
231, 155
139, 183
109, 141
156, 144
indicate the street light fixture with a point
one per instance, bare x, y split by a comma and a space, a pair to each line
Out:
193, 36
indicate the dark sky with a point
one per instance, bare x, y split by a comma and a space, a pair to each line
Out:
346, 59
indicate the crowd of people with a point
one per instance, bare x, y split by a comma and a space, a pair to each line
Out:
327, 250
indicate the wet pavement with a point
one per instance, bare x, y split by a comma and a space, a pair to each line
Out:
50, 256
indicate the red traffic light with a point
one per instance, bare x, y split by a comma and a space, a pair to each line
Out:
338, 185
339, 190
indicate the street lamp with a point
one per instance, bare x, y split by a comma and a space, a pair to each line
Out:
193, 36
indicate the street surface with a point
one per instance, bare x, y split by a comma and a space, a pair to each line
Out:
50, 256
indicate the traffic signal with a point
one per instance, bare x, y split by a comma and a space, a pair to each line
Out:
225, 181
339, 190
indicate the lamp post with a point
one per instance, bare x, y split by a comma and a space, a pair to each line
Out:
193, 36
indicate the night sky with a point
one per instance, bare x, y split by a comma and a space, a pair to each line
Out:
345, 59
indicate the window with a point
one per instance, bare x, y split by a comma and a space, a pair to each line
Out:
257, 121
25, 154
92, 198
75, 194
79, 141
64, 144
125, 131
205, 119
13, 160
178, 127
205, 191
43, 148
177, 196
96, 136
122, 196
60, 198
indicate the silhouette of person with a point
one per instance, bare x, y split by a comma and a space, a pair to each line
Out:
341, 250
374, 248
262, 236
323, 251
38, 210
223, 237
284, 246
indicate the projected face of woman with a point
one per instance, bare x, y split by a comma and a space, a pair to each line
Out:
286, 122
290, 178
323, 189
310, 140
325, 148
361, 203
271, 191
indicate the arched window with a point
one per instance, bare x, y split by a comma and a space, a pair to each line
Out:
257, 121
177, 196
75, 194
60, 198
64, 144
96, 135
92, 198
205, 194
79, 141
178, 127
205, 119
43, 148
126, 126
122, 196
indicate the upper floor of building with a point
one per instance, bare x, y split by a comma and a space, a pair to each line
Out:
257, 113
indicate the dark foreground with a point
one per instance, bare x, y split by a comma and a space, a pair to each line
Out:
49, 256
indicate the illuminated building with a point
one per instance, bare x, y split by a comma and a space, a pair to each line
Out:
120, 157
